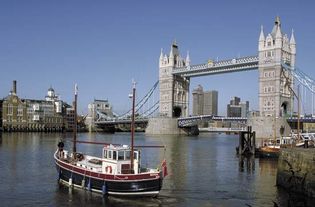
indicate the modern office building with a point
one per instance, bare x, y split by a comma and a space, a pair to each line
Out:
197, 94
210, 103
236, 108
205, 102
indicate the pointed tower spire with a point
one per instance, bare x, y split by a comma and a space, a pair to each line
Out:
187, 59
276, 27
171, 52
278, 33
292, 39
277, 21
262, 35
161, 55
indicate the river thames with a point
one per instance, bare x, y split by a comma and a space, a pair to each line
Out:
203, 171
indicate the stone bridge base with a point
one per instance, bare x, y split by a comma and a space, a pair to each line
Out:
163, 125
267, 127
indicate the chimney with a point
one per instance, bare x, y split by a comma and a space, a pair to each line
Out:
14, 87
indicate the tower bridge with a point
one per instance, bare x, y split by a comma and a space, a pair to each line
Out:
274, 96
275, 63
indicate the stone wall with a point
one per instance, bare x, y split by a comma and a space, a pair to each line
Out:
265, 126
296, 170
163, 125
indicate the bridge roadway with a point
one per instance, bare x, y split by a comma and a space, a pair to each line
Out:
302, 119
222, 130
122, 121
194, 120
216, 67
182, 122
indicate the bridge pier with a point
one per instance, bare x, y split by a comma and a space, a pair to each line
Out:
163, 125
268, 127
247, 142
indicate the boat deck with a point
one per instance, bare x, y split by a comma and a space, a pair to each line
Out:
90, 163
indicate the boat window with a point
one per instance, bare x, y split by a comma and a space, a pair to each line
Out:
135, 155
105, 153
109, 154
120, 155
127, 154
115, 155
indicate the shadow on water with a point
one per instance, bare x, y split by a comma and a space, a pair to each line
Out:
78, 197
247, 163
268, 169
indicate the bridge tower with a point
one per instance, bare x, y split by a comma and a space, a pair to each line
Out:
275, 98
174, 90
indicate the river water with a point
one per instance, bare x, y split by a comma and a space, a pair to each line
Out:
203, 171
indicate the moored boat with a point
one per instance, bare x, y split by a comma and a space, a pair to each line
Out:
117, 172
110, 174
269, 149
269, 152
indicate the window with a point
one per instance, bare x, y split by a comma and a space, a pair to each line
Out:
109, 155
120, 155
20, 111
135, 155
269, 43
105, 153
10, 109
127, 154
114, 155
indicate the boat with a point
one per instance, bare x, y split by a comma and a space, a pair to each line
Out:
118, 172
269, 149
305, 140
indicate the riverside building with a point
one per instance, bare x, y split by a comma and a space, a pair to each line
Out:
33, 115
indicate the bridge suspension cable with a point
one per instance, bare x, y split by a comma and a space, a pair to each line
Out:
151, 110
141, 103
300, 76
306, 81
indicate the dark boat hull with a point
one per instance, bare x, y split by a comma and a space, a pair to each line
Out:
132, 187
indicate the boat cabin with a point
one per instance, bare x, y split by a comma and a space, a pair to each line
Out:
116, 160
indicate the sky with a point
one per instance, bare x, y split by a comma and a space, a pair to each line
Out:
103, 45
